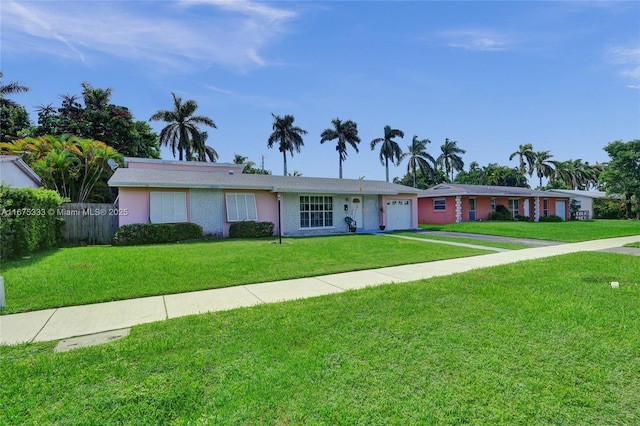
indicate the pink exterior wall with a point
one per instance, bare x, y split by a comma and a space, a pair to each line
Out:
266, 206
136, 203
426, 213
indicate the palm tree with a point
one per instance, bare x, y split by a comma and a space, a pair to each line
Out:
541, 165
526, 155
419, 158
287, 135
182, 132
449, 159
346, 132
389, 148
10, 89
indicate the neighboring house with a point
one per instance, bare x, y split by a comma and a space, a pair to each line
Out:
453, 203
215, 195
583, 200
15, 173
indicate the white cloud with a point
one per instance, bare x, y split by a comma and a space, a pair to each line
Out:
178, 36
481, 40
628, 60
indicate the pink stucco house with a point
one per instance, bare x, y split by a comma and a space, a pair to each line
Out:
215, 195
453, 203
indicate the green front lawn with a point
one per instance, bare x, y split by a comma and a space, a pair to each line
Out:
571, 231
81, 275
633, 244
538, 342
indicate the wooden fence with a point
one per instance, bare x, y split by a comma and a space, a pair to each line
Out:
89, 223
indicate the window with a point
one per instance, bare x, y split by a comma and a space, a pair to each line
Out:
316, 211
439, 204
241, 207
167, 207
514, 206
545, 207
493, 204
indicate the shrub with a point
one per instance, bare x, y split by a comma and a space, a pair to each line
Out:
29, 220
251, 229
156, 233
522, 218
608, 209
501, 213
552, 218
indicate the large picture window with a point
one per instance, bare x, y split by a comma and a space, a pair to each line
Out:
167, 207
241, 207
316, 211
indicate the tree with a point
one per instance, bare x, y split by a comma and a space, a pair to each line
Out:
10, 89
14, 118
492, 174
419, 159
288, 136
526, 156
98, 119
182, 132
449, 159
622, 174
76, 168
389, 149
346, 133
541, 165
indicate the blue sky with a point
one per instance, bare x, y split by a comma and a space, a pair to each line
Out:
564, 76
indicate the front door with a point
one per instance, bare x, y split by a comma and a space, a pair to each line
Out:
560, 209
472, 209
356, 211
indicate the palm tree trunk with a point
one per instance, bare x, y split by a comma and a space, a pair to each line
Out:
284, 154
386, 165
340, 169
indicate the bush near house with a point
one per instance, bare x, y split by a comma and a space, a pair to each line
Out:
156, 233
501, 213
608, 209
29, 220
552, 218
251, 229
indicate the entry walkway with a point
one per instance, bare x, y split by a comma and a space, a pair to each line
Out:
63, 323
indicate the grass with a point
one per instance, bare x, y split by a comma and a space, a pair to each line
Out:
485, 243
633, 244
501, 346
82, 275
571, 231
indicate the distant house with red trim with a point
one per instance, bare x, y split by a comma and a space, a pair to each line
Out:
215, 195
453, 203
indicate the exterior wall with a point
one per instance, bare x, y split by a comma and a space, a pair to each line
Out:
12, 175
206, 209
136, 201
370, 214
266, 207
426, 213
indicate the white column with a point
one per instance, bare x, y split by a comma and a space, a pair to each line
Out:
536, 210
458, 208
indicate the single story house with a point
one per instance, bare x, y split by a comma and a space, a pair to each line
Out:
453, 203
583, 200
15, 173
215, 195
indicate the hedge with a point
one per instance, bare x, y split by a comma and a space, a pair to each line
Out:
156, 233
29, 220
251, 229
552, 218
501, 213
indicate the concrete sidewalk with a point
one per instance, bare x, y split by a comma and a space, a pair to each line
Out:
63, 323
